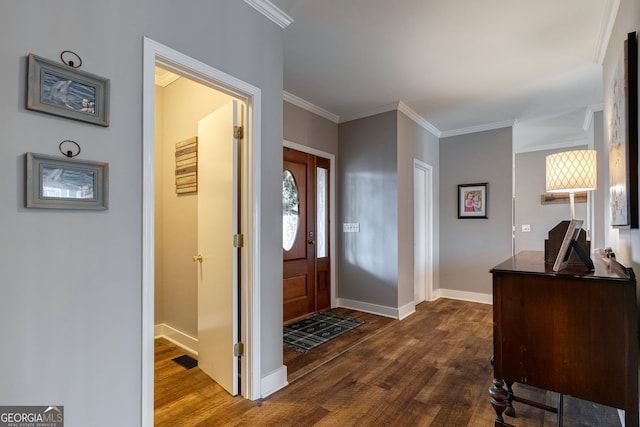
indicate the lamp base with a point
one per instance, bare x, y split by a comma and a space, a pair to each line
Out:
553, 243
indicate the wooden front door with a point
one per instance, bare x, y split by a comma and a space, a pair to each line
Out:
305, 213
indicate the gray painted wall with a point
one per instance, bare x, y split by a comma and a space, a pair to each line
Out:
469, 248
530, 168
309, 129
367, 173
362, 150
530, 176
71, 281
414, 142
255, 57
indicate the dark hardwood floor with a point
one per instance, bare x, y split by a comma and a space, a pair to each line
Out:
430, 369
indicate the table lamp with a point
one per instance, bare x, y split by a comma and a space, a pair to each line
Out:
572, 171
568, 172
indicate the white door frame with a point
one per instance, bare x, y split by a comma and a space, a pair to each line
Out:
427, 240
154, 54
332, 207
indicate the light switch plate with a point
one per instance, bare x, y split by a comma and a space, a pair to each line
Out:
351, 227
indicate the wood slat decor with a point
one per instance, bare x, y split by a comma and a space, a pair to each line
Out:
187, 166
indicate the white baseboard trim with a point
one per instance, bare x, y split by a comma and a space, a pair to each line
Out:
406, 310
380, 310
273, 382
463, 295
177, 337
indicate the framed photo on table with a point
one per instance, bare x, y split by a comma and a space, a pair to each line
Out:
473, 200
569, 243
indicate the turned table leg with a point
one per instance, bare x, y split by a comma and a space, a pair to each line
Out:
499, 400
510, 411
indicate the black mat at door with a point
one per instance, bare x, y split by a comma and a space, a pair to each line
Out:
318, 328
185, 361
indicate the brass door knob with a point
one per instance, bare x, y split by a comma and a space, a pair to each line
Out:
197, 258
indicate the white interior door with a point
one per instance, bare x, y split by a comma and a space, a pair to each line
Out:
421, 232
218, 266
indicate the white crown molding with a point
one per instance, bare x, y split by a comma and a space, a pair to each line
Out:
568, 143
404, 108
419, 119
479, 128
367, 113
394, 106
306, 105
271, 11
399, 106
588, 118
588, 115
596, 107
609, 17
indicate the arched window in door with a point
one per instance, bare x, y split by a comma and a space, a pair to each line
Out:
290, 210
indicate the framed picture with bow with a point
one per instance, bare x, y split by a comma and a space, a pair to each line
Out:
62, 90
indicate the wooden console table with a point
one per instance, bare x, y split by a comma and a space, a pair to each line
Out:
573, 332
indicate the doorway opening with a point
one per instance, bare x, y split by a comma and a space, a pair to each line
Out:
308, 231
248, 185
196, 214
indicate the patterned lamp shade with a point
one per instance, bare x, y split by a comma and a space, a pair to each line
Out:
571, 171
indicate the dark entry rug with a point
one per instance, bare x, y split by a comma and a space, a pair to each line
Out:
185, 361
318, 328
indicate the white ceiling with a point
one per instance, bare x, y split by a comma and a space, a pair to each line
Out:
460, 65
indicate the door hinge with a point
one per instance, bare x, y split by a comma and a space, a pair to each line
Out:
238, 349
238, 240
238, 132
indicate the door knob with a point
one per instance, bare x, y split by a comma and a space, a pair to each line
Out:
197, 258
